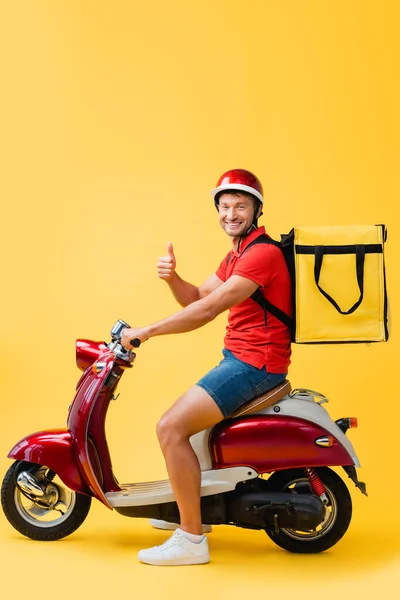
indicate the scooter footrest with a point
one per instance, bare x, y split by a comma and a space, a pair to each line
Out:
139, 493
215, 481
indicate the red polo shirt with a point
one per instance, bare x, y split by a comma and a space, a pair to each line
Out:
246, 335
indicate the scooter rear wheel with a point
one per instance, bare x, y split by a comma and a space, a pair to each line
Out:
338, 511
54, 516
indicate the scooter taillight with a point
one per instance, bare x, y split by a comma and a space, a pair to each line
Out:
87, 352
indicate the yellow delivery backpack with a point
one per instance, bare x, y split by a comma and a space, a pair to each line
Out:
338, 284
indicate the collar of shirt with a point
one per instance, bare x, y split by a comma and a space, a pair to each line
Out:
248, 239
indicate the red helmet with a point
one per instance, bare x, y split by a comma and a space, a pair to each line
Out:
240, 180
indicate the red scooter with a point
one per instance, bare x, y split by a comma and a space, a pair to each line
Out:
303, 505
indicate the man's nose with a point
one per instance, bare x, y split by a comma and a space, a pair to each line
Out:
231, 214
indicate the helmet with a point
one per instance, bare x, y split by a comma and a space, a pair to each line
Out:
238, 180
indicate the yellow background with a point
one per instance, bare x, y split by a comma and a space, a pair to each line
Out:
116, 120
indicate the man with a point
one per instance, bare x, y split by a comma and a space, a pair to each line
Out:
256, 353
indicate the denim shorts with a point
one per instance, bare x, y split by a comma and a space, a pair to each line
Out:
234, 382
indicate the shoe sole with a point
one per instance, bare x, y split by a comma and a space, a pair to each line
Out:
173, 562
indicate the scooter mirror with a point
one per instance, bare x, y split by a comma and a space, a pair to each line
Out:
117, 329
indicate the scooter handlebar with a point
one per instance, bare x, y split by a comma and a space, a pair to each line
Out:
135, 342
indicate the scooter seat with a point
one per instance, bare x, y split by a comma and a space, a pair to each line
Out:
265, 400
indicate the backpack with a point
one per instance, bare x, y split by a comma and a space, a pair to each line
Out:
347, 261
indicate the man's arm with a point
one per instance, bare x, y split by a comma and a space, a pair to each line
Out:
198, 313
186, 293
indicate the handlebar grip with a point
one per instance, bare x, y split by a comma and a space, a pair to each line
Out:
135, 342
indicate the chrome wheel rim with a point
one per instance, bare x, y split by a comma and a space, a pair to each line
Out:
330, 514
45, 517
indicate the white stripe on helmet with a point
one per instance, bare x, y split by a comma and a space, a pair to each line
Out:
236, 186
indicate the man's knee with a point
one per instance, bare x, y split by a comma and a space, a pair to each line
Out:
169, 431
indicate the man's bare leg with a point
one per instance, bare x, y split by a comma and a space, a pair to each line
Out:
191, 413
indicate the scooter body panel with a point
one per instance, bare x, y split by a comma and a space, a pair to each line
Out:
88, 436
200, 443
54, 449
271, 443
207, 445
304, 407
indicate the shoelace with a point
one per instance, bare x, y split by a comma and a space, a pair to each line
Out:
177, 537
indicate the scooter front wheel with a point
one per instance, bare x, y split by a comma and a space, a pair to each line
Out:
52, 513
337, 516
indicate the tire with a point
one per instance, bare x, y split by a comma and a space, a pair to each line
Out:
42, 523
337, 516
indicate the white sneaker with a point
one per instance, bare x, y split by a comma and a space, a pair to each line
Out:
160, 524
177, 550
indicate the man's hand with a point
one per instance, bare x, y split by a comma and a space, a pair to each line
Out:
166, 264
130, 333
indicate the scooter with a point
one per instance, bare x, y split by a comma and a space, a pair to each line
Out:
303, 505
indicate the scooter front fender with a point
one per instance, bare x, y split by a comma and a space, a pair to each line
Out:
54, 449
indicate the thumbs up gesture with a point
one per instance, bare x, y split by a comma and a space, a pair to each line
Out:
166, 264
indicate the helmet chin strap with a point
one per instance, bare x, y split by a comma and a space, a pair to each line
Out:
252, 227
254, 224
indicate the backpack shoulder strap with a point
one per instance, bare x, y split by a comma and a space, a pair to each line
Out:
261, 239
258, 296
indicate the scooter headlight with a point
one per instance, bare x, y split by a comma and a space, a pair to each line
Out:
87, 352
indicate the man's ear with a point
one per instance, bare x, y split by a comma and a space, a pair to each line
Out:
259, 212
